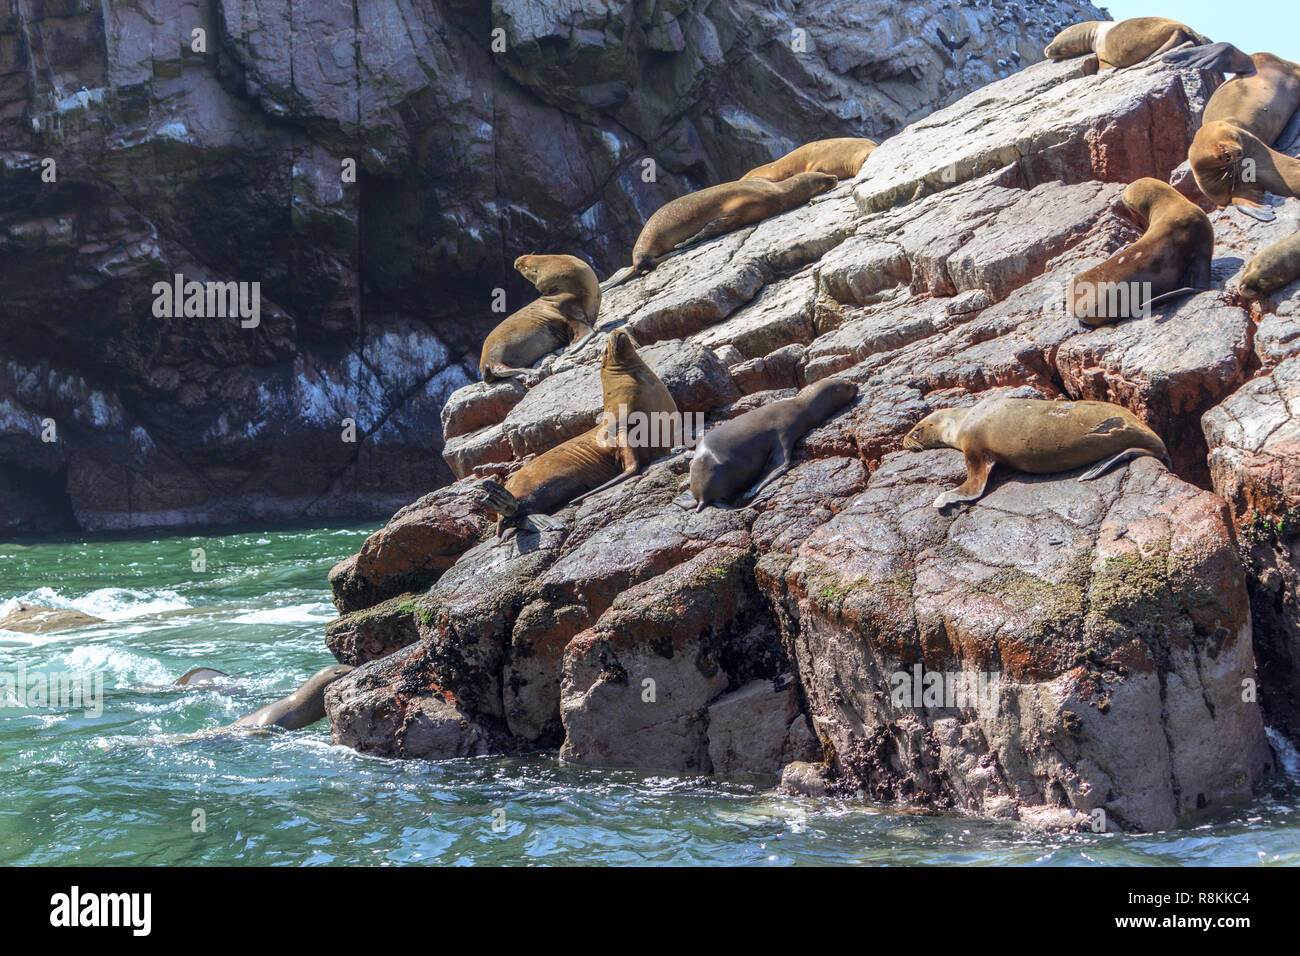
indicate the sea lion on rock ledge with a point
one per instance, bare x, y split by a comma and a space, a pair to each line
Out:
1234, 167
717, 210
1271, 268
1121, 44
740, 457
1036, 436
1172, 258
632, 395
564, 315
841, 157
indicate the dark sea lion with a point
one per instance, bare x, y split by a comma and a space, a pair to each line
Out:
639, 423
1271, 268
1036, 436
1171, 259
1234, 167
841, 157
202, 675
721, 209
740, 457
1123, 43
564, 315
304, 706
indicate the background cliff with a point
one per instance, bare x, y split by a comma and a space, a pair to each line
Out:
224, 163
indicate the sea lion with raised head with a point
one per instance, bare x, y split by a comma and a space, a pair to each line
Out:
1171, 259
563, 316
304, 706
1035, 436
842, 157
1271, 268
639, 422
1122, 43
742, 456
720, 209
1235, 167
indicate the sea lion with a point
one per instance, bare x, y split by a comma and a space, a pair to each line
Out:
1171, 259
639, 422
1234, 167
1259, 99
304, 706
564, 315
1271, 268
754, 449
1035, 436
841, 157
1121, 44
201, 675
720, 209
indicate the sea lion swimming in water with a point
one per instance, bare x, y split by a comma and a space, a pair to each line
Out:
1271, 268
1123, 43
304, 706
1259, 101
563, 316
715, 211
1035, 436
842, 157
197, 676
639, 422
742, 456
1171, 259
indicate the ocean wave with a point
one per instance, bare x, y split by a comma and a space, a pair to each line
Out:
312, 612
112, 604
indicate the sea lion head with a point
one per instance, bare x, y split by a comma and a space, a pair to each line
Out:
829, 396
558, 275
1252, 283
936, 430
811, 184
1141, 195
620, 349
1074, 40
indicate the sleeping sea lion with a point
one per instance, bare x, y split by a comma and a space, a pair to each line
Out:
1036, 436
1171, 259
720, 209
633, 397
1271, 268
740, 457
304, 706
1123, 43
564, 315
841, 157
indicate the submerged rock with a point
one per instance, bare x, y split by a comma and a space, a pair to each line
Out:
35, 619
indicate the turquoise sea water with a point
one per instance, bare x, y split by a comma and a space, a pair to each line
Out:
118, 789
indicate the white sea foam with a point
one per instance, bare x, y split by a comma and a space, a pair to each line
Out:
310, 613
1287, 755
112, 604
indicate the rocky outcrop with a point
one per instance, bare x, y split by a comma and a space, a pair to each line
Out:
1064, 653
375, 168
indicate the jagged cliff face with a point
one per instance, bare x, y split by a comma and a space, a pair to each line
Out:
225, 162
1136, 656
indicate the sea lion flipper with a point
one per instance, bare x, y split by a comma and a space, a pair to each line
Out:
1128, 454
780, 467
1253, 209
539, 523
1218, 57
978, 467
1169, 296
687, 500
711, 229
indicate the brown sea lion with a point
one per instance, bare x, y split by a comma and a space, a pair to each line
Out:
1035, 436
841, 157
1123, 43
721, 209
1260, 99
564, 315
202, 675
742, 456
1171, 259
1233, 166
1271, 268
639, 422
304, 706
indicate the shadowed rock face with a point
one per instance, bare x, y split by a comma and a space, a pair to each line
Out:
233, 162
1111, 619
